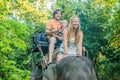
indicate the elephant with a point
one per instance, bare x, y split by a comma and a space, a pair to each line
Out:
71, 68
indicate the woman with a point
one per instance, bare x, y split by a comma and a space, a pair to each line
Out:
72, 39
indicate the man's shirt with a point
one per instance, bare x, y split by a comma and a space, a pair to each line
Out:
53, 24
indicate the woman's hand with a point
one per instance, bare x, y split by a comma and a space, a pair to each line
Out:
66, 54
78, 54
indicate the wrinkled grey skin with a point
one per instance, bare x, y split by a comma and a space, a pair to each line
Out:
36, 74
71, 68
50, 73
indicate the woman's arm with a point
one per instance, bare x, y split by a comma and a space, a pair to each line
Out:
80, 44
65, 32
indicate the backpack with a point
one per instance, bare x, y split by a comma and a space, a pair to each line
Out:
41, 39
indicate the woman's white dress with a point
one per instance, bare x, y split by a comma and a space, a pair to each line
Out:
72, 48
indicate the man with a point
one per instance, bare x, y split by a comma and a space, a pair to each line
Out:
52, 28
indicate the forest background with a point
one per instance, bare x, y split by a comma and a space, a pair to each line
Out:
20, 20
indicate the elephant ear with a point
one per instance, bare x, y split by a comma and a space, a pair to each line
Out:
50, 73
36, 74
45, 78
94, 74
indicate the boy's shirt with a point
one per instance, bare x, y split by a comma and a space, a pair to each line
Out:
53, 24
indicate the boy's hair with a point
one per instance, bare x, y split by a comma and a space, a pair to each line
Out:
55, 12
64, 21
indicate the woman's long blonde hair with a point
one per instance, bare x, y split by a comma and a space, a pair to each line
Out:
70, 29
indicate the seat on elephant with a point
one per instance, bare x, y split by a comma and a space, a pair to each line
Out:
42, 40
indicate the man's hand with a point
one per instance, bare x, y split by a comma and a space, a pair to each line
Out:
56, 36
55, 30
60, 30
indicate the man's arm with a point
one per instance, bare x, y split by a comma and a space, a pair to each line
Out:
48, 32
51, 31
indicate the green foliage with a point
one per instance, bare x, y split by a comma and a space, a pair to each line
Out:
10, 72
12, 34
12, 38
21, 20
